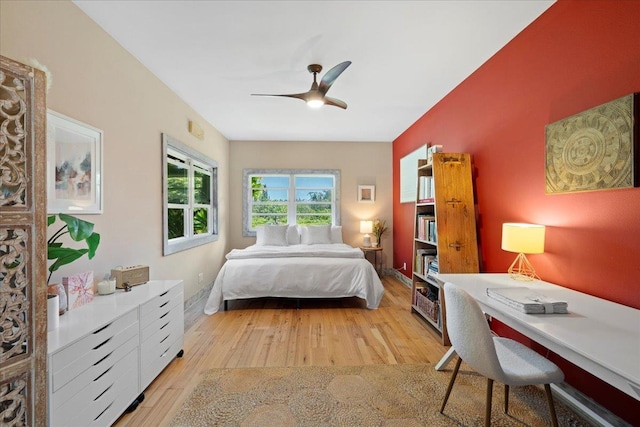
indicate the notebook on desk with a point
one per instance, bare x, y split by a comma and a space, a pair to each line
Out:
527, 300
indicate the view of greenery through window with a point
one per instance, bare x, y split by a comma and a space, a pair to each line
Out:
312, 202
178, 198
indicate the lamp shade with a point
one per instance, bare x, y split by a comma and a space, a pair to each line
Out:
523, 238
366, 227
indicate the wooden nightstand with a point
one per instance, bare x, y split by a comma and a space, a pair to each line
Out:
376, 250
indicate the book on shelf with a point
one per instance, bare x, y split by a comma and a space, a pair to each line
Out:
426, 227
527, 300
426, 189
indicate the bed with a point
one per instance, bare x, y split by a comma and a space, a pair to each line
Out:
324, 268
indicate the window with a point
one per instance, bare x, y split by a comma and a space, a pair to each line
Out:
302, 197
190, 197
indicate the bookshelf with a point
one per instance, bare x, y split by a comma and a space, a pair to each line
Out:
444, 239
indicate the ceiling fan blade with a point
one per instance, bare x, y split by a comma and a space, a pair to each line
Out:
335, 102
331, 75
302, 96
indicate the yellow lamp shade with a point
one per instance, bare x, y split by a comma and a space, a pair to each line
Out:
523, 238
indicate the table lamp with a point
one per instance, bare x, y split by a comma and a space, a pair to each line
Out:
366, 227
522, 239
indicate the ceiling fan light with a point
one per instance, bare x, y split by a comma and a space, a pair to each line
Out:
315, 103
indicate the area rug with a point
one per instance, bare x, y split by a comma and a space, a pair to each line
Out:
374, 395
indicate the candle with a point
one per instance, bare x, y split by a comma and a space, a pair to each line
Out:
106, 287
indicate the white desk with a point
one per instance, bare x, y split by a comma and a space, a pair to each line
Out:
599, 336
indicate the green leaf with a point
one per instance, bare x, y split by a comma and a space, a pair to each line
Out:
78, 229
93, 241
65, 256
51, 219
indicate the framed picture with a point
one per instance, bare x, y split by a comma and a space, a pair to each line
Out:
74, 166
593, 150
366, 193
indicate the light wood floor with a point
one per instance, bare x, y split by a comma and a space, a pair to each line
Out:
273, 332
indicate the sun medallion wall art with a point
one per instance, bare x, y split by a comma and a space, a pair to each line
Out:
593, 150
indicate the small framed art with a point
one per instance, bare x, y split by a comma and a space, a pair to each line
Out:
74, 166
366, 193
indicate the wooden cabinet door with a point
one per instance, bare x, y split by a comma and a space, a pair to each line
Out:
23, 305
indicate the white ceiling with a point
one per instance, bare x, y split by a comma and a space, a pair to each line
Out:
407, 55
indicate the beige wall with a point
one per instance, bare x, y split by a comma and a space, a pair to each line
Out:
97, 82
359, 163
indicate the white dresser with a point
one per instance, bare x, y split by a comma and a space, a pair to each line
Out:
104, 355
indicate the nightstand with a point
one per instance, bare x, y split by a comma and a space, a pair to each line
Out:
375, 250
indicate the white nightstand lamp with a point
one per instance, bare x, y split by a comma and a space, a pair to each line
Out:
523, 239
366, 227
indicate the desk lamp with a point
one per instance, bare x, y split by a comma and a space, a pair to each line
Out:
522, 239
366, 227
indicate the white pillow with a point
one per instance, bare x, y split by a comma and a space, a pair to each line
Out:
315, 234
293, 235
336, 234
271, 235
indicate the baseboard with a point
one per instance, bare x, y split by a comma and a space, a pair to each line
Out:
585, 407
401, 277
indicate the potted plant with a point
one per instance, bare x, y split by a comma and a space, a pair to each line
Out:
379, 227
79, 230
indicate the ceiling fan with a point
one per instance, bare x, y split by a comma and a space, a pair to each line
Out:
316, 96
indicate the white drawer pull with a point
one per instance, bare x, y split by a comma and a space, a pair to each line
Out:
102, 343
105, 390
101, 360
105, 410
101, 329
102, 374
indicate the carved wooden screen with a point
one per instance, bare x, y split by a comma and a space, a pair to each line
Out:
23, 317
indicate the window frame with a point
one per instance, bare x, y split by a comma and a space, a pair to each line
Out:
194, 160
247, 199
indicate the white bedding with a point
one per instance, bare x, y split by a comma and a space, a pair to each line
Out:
296, 271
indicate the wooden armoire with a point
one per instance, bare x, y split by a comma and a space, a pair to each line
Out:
23, 263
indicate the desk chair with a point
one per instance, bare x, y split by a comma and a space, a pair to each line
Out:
499, 359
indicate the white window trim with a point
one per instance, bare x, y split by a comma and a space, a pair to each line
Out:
246, 199
191, 240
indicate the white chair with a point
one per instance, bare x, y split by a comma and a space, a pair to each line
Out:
499, 359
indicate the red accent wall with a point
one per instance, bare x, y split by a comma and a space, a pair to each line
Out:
577, 55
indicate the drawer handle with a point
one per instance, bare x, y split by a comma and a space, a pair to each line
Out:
165, 314
163, 326
102, 374
102, 329
164, 293
165, 353
105, 410
102, 343
106, 390
165, 338
164, 304
101, 360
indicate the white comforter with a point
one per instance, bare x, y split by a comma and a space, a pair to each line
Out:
296, 271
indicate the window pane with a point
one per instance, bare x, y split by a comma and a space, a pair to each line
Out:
176, 223
314, 181
257, 220
269, 209
313, 219
316, 208
202, 187
313, 195
270, 195
281, 181
177, 184
201, 221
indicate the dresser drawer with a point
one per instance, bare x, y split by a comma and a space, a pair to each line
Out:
96, 377
94, 351
156, 307
166, 322
155, 358
101, 401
